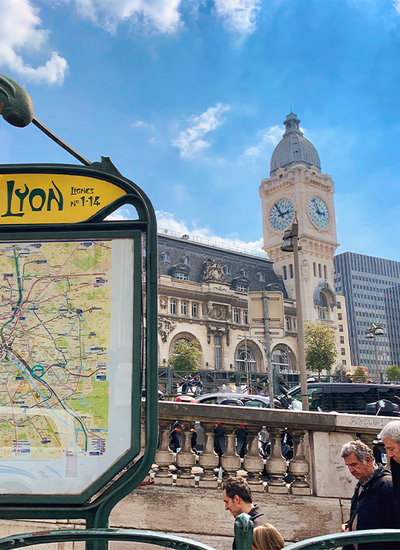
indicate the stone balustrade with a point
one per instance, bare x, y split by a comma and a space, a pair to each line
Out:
316, 467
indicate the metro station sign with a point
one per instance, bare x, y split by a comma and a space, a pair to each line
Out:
53, 198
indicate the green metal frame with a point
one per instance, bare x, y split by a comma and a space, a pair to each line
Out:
340, 539
103, 535
96, 511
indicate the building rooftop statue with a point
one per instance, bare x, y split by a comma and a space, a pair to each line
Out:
293, 148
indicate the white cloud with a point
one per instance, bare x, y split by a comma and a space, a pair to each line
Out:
166, 221
191, 141
270, 138
21, 32
143, 124
152, 15
396, 4
238, 15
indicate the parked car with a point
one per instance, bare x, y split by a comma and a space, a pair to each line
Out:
343, 397
241, 400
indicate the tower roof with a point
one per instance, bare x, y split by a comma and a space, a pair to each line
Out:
293, 148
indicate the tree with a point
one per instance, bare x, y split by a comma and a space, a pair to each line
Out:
320, 348
186, 356
339, 374
393, 373
359, 375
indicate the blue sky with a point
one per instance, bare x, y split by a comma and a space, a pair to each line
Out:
187, 97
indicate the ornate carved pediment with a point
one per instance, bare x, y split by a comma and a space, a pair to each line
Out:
165, 327
213, 271
216, 329
216, 311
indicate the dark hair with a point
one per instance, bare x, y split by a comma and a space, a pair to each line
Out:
237, 486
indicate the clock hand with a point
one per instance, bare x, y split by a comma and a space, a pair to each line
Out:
279, 210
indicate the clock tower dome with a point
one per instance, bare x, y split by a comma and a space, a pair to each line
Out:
296, 185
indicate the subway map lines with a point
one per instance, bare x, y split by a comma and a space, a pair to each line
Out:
54, 348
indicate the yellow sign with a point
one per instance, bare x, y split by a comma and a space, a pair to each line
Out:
53, 198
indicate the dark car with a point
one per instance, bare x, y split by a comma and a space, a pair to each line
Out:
343, 397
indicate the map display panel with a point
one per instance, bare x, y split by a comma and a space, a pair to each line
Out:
66, 329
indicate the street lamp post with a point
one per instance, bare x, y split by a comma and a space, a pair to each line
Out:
291, 244
373, 332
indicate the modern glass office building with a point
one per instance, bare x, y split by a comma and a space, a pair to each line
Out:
369, 286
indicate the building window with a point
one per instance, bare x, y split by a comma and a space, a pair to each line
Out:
319, 271
342, 351
227, 270
195, 309
218, 351
182, 276
172, 307
244, 272
314, 265
288, 323
325, 272
285, 272
339, 316
236, 315
340, 328
342, 339
344, 362
183, 308
242, 287
339, 305
261, 277
165, 256
245, 317
245, 359
291, 271
186, 260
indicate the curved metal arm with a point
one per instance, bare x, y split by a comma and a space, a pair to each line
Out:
336, 540
73, 535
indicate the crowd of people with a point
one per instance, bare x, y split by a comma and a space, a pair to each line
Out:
375, 503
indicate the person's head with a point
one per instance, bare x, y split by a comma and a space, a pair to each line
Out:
390, 435
236, 495
359, 459
266, 537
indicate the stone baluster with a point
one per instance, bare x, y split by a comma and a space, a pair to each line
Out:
230, 461
276, 464
298, 466
208, 458
164, 456
253, 463
186, 458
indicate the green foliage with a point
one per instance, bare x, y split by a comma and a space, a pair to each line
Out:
339, 374
393, 373
359, 375
186, 357
320, 347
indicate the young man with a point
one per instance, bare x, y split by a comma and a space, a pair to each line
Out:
236, 495
372, 505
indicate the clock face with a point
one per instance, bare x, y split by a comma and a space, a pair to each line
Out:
282, 214
319, 212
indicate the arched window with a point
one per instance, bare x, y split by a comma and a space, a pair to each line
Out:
291, 271
284, 272
245, 359
165, 256
325, 272
314, 269
283, 359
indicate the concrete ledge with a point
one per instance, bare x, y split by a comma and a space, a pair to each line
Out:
196, 511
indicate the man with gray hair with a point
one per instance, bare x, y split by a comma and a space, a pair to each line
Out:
372, 505
390, 435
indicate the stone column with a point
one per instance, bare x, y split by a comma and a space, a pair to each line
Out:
253, 463
186, 458
230, 461
164, 456
298, 466
208, 459
276, 464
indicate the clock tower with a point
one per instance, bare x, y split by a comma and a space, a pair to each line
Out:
296, 185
